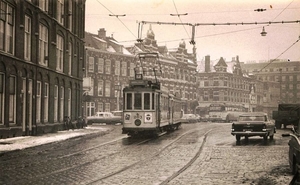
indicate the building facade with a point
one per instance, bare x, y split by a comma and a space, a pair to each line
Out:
224, 82
41, 62
110, 66
284, 74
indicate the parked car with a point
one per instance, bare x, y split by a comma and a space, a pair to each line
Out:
189, 118
104, 117
294, 149
253, 124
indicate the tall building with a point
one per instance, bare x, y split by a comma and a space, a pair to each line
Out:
283, 74
110, 66
41, 62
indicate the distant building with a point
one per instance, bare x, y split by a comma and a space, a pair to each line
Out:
285, 75
41, 62
225, 82
110, 66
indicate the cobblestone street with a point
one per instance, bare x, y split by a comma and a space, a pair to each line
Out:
103, 159
224, 162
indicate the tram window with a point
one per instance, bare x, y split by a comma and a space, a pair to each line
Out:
129, 101
146, 101
152, 101
138, 101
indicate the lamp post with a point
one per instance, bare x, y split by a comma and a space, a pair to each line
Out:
280, 81
118, 89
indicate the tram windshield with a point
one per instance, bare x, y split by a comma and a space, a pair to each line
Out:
139, 101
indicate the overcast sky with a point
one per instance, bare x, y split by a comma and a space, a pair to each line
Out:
216, 41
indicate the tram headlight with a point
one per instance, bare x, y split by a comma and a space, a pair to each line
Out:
137, 122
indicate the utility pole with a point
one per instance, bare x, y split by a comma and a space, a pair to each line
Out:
280, 81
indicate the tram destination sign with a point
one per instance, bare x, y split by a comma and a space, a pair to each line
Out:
138, 82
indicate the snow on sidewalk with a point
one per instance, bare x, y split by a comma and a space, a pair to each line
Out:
19, 143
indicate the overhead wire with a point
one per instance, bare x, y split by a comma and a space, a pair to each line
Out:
271, 61
283, 10
279, 55
117, 18
180, 18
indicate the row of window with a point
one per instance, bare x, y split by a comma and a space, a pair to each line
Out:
120, 69
293, 68
42, 100
60, 10
290, 87
291, 78
7, 36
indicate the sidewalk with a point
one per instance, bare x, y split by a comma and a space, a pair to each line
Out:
20, 143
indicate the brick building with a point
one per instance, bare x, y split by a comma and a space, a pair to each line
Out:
219, 81
110, 66
41, 62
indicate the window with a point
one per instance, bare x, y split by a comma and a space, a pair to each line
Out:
59, 53
62, 98
107, 66
131, 73
107, 107
27, 38
6, 27
12, 99
2, 85
43, 4
38, 101
100, 65
46, 101
117, 68
129, 101
90, 108
91, 64
124, 69
100, 88
107, 88
43, 45
91, 92
69, 102
100, 107
55, 103
70, 58
138, 101
70, 15
147, 101
60, 11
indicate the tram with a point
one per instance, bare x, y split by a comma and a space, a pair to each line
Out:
148, 107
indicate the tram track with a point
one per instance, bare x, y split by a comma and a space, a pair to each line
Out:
155, 155
80, 165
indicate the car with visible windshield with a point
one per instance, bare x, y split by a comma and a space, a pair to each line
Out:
253, 124
104, 118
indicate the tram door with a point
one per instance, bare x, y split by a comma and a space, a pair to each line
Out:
157, 102
170, 111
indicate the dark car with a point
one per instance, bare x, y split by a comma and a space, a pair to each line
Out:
294, 150
104, 117
253, 124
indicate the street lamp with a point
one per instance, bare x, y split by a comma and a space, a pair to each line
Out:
280, 81
263, 33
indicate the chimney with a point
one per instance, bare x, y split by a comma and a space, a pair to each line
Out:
102, 33
207, 63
